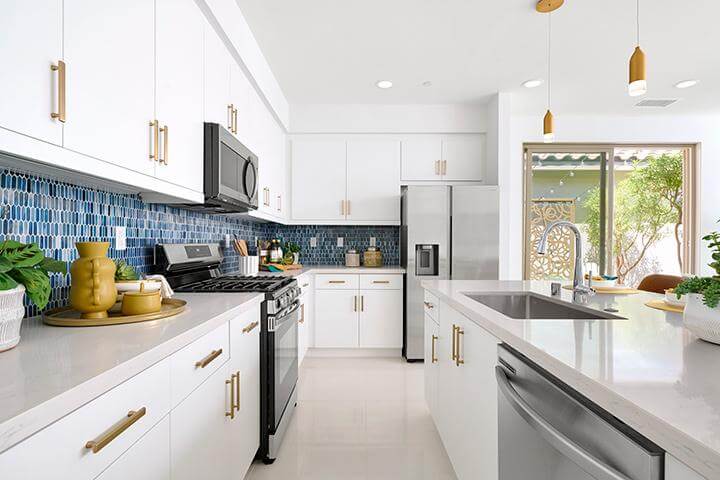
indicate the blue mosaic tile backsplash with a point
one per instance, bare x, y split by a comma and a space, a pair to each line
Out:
55, 215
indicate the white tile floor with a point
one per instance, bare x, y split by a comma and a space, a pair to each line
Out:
357, 419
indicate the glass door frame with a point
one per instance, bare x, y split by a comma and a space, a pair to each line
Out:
690, 195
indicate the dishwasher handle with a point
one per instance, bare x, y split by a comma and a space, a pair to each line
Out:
560, 442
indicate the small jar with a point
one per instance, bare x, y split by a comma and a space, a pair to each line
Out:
372, 257
352, 258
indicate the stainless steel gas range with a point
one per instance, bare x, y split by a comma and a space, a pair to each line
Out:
194, 268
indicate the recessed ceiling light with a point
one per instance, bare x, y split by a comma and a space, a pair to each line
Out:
686, 84
536, 82
384, 84
427, 83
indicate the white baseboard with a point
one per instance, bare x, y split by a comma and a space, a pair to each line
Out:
354, 352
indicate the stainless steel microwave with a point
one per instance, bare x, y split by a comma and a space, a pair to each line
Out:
230, 173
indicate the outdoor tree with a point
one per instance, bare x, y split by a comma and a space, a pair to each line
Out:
648, 200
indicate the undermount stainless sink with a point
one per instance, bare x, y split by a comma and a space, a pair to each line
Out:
531, 306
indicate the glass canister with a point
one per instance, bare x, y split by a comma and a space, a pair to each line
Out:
372, 257
352, 258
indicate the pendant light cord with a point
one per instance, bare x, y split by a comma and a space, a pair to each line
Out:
548, 58
637, 19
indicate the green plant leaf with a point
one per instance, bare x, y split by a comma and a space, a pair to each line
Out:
5, 265
37, 284
27, 255
7, 282
52, 265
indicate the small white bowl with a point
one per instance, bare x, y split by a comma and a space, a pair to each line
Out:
671, 298
603, 283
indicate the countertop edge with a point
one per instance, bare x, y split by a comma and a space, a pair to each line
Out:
674, 441
29, 422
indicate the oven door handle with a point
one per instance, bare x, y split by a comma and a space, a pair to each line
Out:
275, 320
554, 437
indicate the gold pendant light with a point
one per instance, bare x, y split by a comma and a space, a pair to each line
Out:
638, 82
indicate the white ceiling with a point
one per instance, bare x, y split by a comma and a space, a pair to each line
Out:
333, 51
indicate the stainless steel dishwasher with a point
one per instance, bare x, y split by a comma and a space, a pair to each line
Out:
547, 431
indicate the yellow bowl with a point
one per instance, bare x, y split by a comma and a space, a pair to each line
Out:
141, 302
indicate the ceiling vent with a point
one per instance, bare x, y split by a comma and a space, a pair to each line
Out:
656, 102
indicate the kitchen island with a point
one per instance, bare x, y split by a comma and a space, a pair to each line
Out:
645, 369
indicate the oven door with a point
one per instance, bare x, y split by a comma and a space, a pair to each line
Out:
282, 361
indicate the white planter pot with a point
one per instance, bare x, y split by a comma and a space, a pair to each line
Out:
12, 312
702, 320
296, 258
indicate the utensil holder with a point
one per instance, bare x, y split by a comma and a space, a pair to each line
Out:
248, 265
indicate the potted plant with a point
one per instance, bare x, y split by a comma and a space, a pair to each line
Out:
702, 313
23, 269
294, 249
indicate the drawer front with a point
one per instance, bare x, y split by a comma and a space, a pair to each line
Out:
305, 282
196, 362
431, 305
381, 282
336, 282
85, 442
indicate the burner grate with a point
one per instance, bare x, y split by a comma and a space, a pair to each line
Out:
233, 283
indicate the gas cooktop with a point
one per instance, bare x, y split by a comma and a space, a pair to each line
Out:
237, 283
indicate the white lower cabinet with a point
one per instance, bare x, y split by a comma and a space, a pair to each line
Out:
462, 393
381, 313
336, 318
148, 459
431, 364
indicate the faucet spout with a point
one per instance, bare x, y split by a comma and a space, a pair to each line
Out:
578, 286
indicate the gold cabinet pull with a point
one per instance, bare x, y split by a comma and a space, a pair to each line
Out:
429, 305
250, 327
302, 313
113, 432
207, 360
433, 358
348, 208
459, 361
165, 130
60, 69
342, 207
237, 391
336, 281
362, 303
443, 164
306, 285
354, 303
230, 113
154, 137
231, 382
279, 203
437, 167
383, 282
234, 115
454, 343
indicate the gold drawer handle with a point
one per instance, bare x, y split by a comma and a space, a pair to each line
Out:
459, 361
302, 313
231, 382
336, 281
206, 361
165, 130
429, 305
250, 327
432, 356
60, 114
113, 432
230, 115
381, 281
454, 343
306, 285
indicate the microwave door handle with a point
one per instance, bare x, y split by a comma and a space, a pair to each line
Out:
554, 437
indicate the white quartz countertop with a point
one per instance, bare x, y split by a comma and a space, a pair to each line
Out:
647, 370
55, 370
313, 269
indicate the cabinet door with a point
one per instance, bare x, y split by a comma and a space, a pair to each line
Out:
216, 79
381, 317
464, 156
148, 459
373, 180
200, 432
431, 364
318, 179
110, 71
245, 363
30, 41
336, 318
179, 92
420, 158
449, 417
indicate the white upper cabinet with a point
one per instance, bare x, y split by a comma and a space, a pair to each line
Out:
217, 101
463, 157
110, 62
319, 174
373, 180
179, 92
30, 42
421, 157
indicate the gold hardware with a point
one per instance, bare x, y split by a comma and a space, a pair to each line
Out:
279, 203
113, 432
60, 68
362, 303
547, 6
206, 361
429, 305
302, 313
336, 281
454, 343
348, 208
250, 327
354, 303
237, 390
437, 167
231, 382
381, 281
443, 163
342, 207
230, 112
166, 130
306, 285
432, 347
154, 136
458, 360
234, 128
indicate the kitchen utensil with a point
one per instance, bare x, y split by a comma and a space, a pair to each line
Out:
248, 265
92, 288
352, 258
373, 257
141, 302
69, 317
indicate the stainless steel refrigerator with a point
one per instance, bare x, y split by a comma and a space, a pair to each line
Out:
446, 233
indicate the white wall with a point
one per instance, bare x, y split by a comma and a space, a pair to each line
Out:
388, 118
701, 129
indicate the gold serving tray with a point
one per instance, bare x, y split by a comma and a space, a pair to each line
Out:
68, 317
663, 305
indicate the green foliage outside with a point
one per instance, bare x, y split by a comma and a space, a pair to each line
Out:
645, 202
26, 264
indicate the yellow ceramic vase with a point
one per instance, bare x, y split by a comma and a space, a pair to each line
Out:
92, 287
